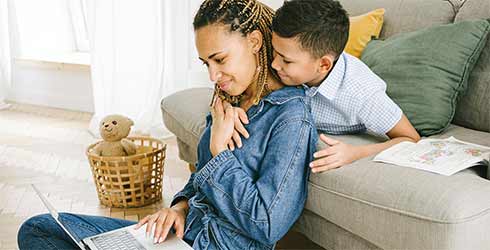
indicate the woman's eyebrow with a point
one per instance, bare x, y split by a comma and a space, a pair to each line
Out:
212, 55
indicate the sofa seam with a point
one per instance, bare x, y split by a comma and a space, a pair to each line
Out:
455, 8
462, 4
414, 215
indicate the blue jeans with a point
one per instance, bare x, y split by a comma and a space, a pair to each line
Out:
42, 231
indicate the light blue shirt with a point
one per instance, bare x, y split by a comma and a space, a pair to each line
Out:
352, 99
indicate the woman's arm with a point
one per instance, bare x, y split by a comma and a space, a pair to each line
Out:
263, 206
186, 193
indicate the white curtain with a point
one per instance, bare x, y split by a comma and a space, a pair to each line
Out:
5, 58
130, 43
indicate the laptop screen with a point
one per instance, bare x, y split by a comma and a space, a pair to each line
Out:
55, 215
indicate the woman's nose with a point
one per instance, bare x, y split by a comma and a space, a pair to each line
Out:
214, 74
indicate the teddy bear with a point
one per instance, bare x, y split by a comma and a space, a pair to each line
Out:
114, 129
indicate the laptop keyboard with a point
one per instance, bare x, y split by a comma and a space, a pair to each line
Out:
118, 240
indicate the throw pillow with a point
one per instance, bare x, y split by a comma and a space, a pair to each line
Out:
426, 70
362, 29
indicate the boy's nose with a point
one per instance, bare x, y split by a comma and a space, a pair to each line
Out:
275, 64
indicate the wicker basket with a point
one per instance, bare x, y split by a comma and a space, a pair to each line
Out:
130, 181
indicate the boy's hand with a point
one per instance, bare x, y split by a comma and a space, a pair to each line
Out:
334, 156
240, 119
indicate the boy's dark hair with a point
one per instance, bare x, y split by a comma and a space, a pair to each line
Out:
321, 26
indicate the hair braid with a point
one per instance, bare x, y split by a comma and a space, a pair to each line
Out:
243, 16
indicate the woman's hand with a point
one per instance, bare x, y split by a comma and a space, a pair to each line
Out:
223, 126
240, 130
164, 220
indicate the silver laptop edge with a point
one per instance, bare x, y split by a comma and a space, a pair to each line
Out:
88, 241
55, 215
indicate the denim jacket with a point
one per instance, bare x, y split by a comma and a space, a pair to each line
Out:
250, 197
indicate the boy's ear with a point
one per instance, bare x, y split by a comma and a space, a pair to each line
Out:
326, 63
255, 40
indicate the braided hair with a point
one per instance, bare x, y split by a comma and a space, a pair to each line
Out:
243, 16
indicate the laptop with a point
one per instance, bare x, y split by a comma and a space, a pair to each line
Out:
123, 238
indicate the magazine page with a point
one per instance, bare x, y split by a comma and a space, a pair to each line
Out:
442, 156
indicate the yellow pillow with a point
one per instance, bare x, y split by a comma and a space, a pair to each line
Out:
362, 29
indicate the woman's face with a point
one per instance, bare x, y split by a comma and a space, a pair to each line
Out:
228, 56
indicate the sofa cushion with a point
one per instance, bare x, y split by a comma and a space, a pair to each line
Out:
417, 209
406, 16
472, 110
184, 114
362, 29
332, 236
426, 70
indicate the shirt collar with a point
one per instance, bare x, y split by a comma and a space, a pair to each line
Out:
331, 84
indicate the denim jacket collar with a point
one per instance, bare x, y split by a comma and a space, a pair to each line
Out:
277, 97
284, 95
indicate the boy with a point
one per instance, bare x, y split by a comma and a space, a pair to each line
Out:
309, 37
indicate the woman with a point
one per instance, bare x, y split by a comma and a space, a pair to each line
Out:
248, 198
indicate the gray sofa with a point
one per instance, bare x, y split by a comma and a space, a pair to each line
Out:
368, 205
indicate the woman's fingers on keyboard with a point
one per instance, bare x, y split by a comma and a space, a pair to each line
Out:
159, 227
149, 226
141, 222
166, 228
179, 227
159, 224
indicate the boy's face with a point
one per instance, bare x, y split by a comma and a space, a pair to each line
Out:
295, 65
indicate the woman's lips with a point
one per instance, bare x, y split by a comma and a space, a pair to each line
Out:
224, 85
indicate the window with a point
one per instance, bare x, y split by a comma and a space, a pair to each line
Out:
78, 13
51, 30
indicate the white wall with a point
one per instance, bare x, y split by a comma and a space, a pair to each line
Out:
69, 86
43, 27
52, 84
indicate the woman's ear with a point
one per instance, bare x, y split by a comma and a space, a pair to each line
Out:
255, 40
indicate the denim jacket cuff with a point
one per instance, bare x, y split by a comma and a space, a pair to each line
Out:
210, 167
180, 196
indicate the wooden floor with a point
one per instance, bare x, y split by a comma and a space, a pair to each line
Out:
46, 147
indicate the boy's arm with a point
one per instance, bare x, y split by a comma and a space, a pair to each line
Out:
339, 153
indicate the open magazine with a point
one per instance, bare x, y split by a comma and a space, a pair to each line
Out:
442, 156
